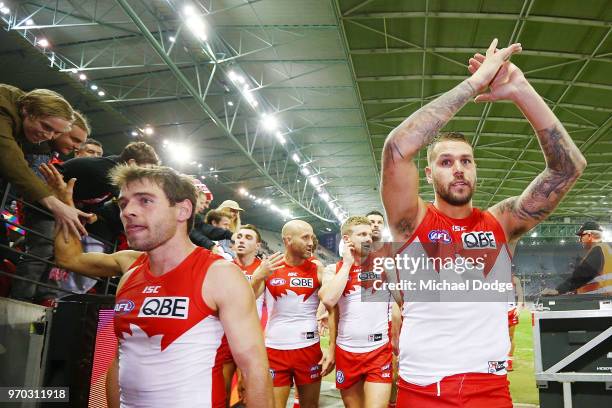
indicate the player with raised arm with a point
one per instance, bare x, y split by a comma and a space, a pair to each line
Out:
175, 301
363, 351
451, 352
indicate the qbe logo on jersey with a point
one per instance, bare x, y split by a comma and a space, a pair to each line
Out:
478, 240
301, 283
171, 307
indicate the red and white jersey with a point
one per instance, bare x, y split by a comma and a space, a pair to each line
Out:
168, 337
363, 325
292, 301
248, 273
438, 338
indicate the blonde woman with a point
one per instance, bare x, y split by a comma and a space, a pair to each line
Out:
232, 210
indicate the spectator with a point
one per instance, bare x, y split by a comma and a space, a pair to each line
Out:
204, 234
93, 187
218, 219
233, 210
593, 272
70, 142
90, 148
222, 220
205, 196
27, 119
39, 242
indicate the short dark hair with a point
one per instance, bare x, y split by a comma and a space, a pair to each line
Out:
254, 229
91, 141
176, 186
375, 212
215, 216
141, 152
443, 137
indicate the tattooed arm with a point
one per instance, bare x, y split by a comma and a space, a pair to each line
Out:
564, 161
400, 176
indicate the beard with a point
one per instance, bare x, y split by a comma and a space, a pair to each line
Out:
455, 199
156, 237
306, 253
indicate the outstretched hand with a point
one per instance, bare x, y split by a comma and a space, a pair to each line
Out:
269, 264
68, 219
486, 69
55, 180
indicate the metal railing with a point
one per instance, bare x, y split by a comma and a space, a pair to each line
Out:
8, 197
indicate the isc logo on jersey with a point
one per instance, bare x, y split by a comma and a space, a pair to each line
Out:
171, 307
478, 240
151, 289
301, 283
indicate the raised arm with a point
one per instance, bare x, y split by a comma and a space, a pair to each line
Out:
226, 290
334, 283
68, 251
564, 161
400, 177
69, 255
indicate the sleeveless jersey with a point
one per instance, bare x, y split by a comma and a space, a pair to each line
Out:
168, 337
602, 283
292, 301
440, 339
248, 273
362, 325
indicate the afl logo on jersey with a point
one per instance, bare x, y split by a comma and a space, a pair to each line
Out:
171, 307
277, 281
301, 283
339, 377
478, 240
124, 306
439, 236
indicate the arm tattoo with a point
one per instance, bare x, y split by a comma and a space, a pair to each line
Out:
564, 164
418, 130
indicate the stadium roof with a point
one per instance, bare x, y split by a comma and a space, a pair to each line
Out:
335, 76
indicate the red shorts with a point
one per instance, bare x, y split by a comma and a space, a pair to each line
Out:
300, 365
225, 354
513, 317
372, 366
473, 390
